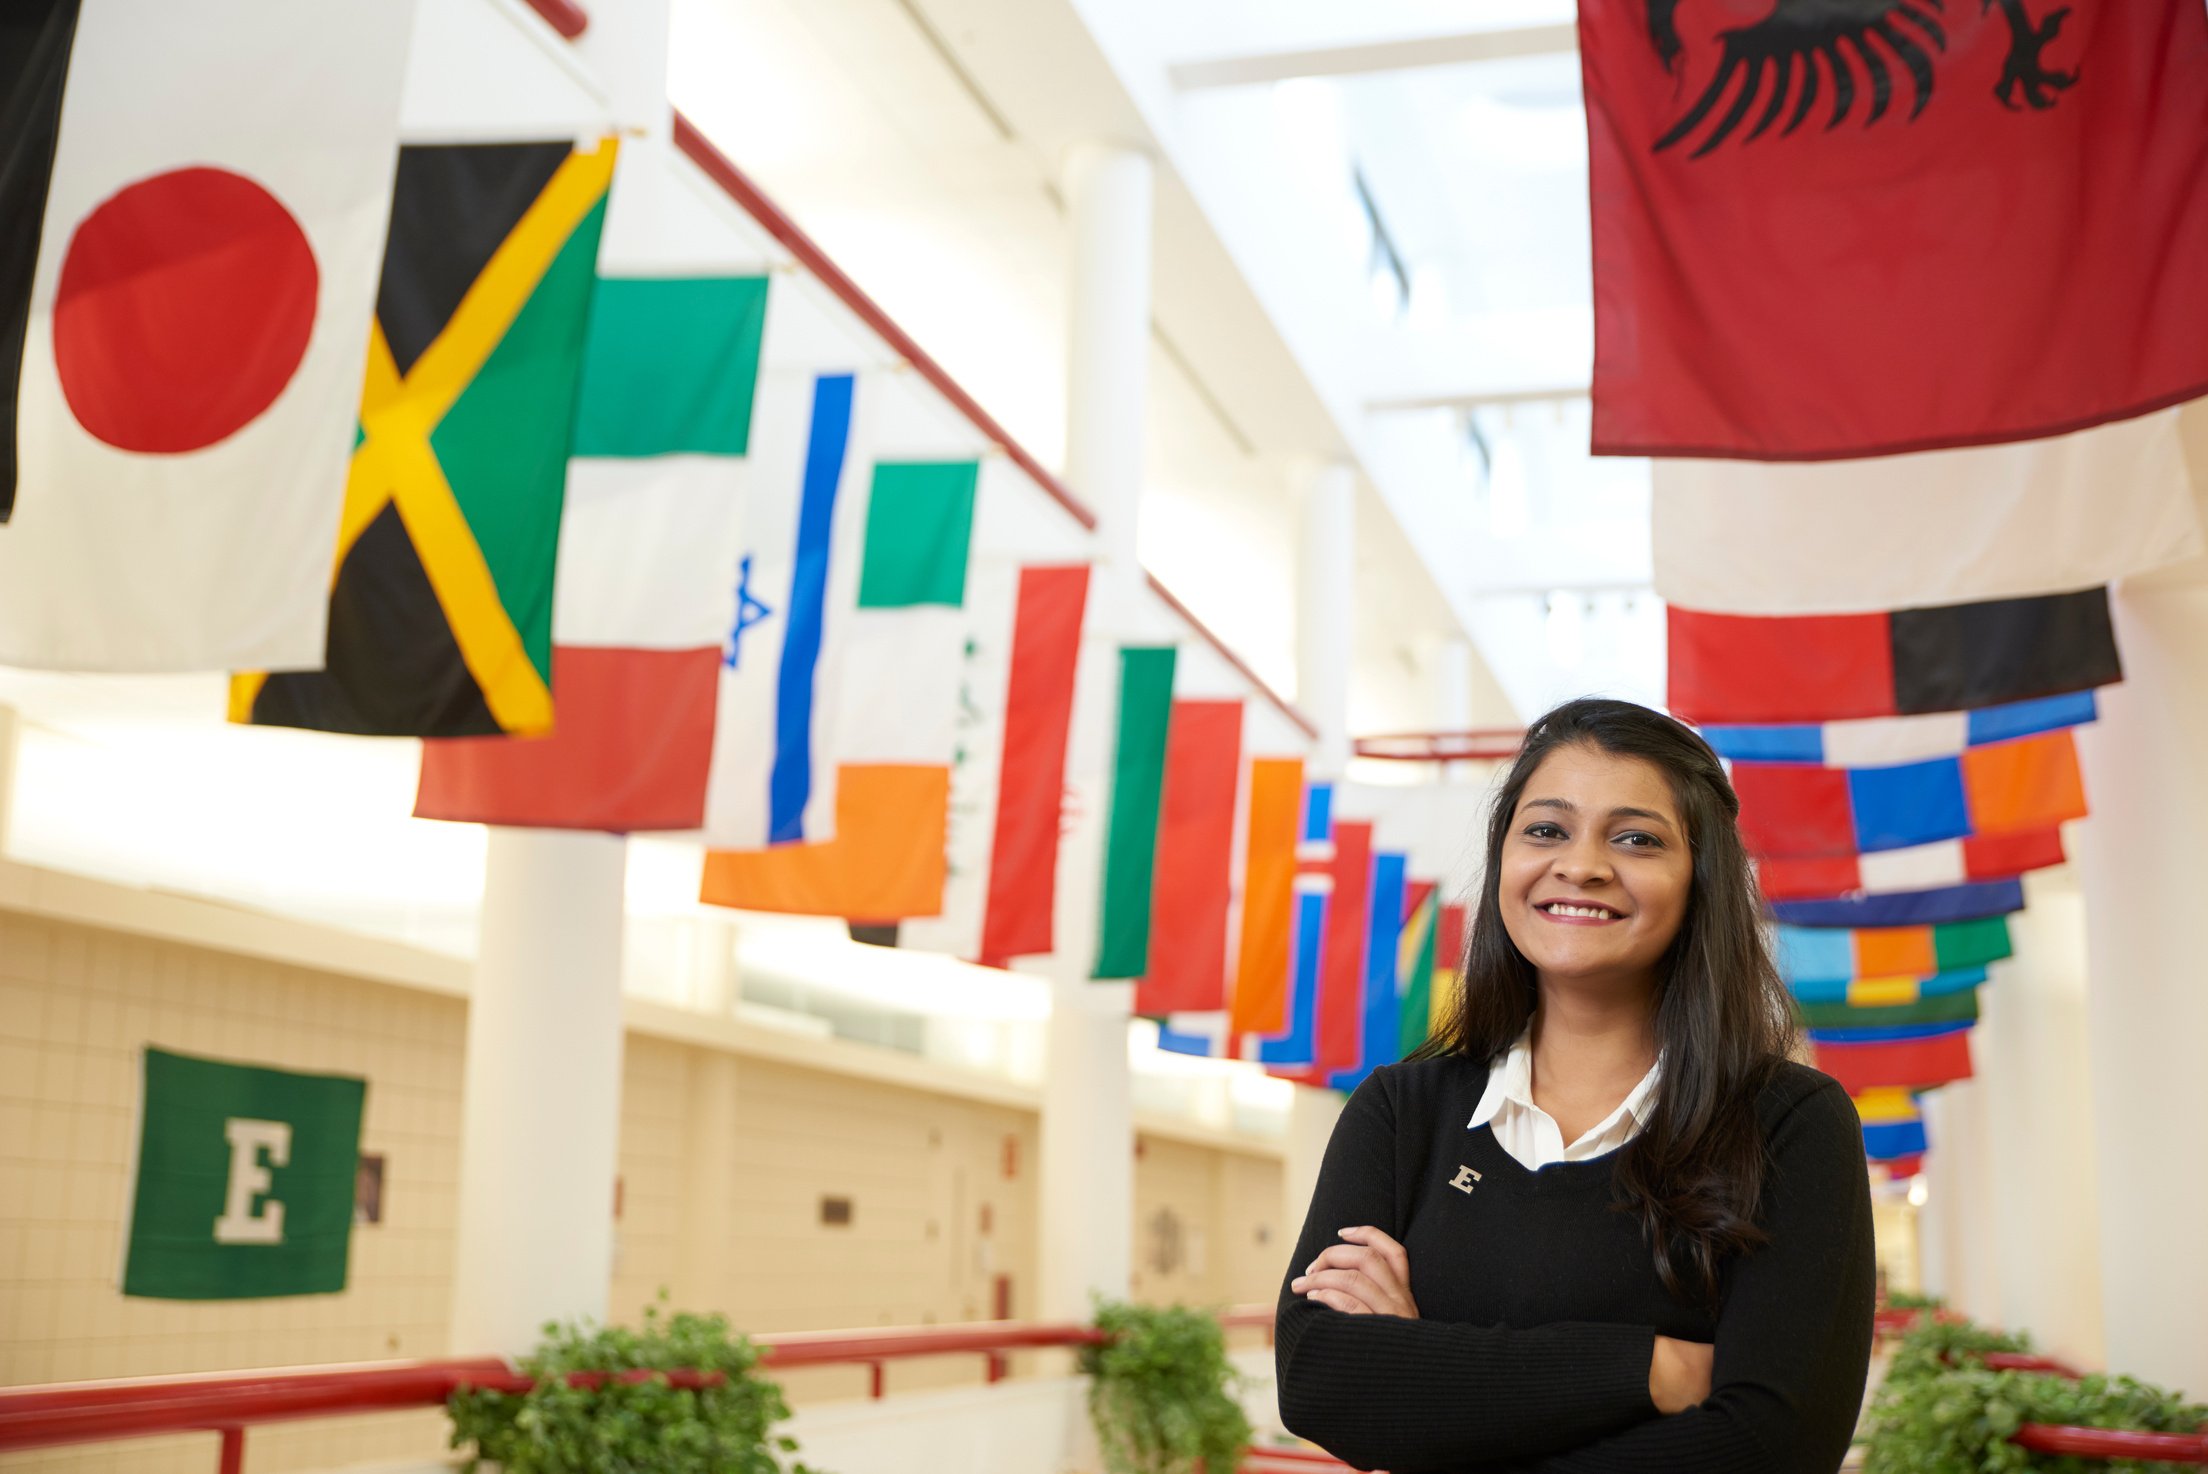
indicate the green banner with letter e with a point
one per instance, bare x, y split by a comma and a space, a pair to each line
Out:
245, 1181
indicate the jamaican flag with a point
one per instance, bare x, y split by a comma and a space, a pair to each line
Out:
441, 602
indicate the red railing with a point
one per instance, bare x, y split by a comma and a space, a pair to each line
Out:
228, 1403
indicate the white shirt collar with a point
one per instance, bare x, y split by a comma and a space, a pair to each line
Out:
1510, 1083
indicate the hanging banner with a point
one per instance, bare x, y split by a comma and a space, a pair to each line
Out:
245, 1181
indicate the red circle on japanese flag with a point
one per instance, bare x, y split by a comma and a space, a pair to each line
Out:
185, 304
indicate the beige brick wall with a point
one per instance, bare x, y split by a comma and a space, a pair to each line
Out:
942, 1190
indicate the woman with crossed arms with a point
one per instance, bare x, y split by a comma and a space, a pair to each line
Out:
1600, 1221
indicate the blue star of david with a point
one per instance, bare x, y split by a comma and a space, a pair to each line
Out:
749, 611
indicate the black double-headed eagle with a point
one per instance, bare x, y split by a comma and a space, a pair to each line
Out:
1774, 73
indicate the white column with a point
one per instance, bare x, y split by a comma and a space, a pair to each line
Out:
1960, 1261
1311, 1118
2033, 1070
1087, 1172
540, 1116
2140, 867
10, 725
1326, 573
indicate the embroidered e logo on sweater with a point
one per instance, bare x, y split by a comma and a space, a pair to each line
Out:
1464, 1179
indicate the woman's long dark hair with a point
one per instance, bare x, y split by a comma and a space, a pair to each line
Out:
1724, 1022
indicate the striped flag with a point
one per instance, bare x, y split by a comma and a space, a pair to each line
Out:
1836, 1019
1191, 892
1815, 668
1264, 966
1972, 902
1380, 1021
1884, 741
1914, 1063
1137, 787
1296, 1046
1887, 992
1893, 1128
1821, 954
1008, 779
1921, 867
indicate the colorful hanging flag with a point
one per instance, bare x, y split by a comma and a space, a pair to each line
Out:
1131, 836
645, 596
441, 603
1820, 668
1191, 889
1826, 232
1998, 522
1835, 1019
1884, 741
1380, 1024
1920, 867
1296, 1047
1972, 902
885, 864
192, 209
1895, 1142
1912, 1062
244, 1184
1264, 966
1824, 954
1008, 777
1338, 1015
1417, 964
1887, 992
2006, 788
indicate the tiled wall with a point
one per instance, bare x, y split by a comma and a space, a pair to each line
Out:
941, 1190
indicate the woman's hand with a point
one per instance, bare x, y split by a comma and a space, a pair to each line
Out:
1369, 1274
1678, 1373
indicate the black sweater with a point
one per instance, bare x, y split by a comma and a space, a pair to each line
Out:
1539, 1302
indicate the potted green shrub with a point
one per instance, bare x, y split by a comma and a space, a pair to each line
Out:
615, 1425
1958, 1421
1161, 1392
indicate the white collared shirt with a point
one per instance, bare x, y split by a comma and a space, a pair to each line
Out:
1531, 1134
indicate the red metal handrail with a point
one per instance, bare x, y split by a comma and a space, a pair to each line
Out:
1480, 745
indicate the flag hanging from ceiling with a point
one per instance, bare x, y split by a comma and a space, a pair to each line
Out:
1192, 884
1296, 1046
1946, 862
1008, 776
646, 589
1809, 954
1887, 992
1137, 785
1380, 1019
1418, 963
1822, 668
1893, 1128
1959, 1007
441, 603
192, 208
1997, 522
1840, 231
1338, 1004
1914, 1063
2003, 788
1264, 966
888, 722
1969, 902
1882, 741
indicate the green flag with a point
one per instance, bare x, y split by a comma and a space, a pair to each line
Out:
1138, 786
245, 1181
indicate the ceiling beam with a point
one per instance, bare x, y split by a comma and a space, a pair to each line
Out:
1401, 54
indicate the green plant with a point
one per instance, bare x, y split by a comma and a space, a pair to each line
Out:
1959, 1421
1905, 1300
1935, 1347
616, 1426
1161, 1392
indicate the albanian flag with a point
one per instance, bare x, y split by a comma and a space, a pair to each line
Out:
1826, 230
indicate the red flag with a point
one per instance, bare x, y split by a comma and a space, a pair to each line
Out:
1031, 780
1191, 887
1342, 970
1910, 1063
1825, 231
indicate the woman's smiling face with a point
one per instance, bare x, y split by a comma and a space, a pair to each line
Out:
1596, 870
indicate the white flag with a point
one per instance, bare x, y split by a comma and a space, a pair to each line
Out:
1942, 527
198, 323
